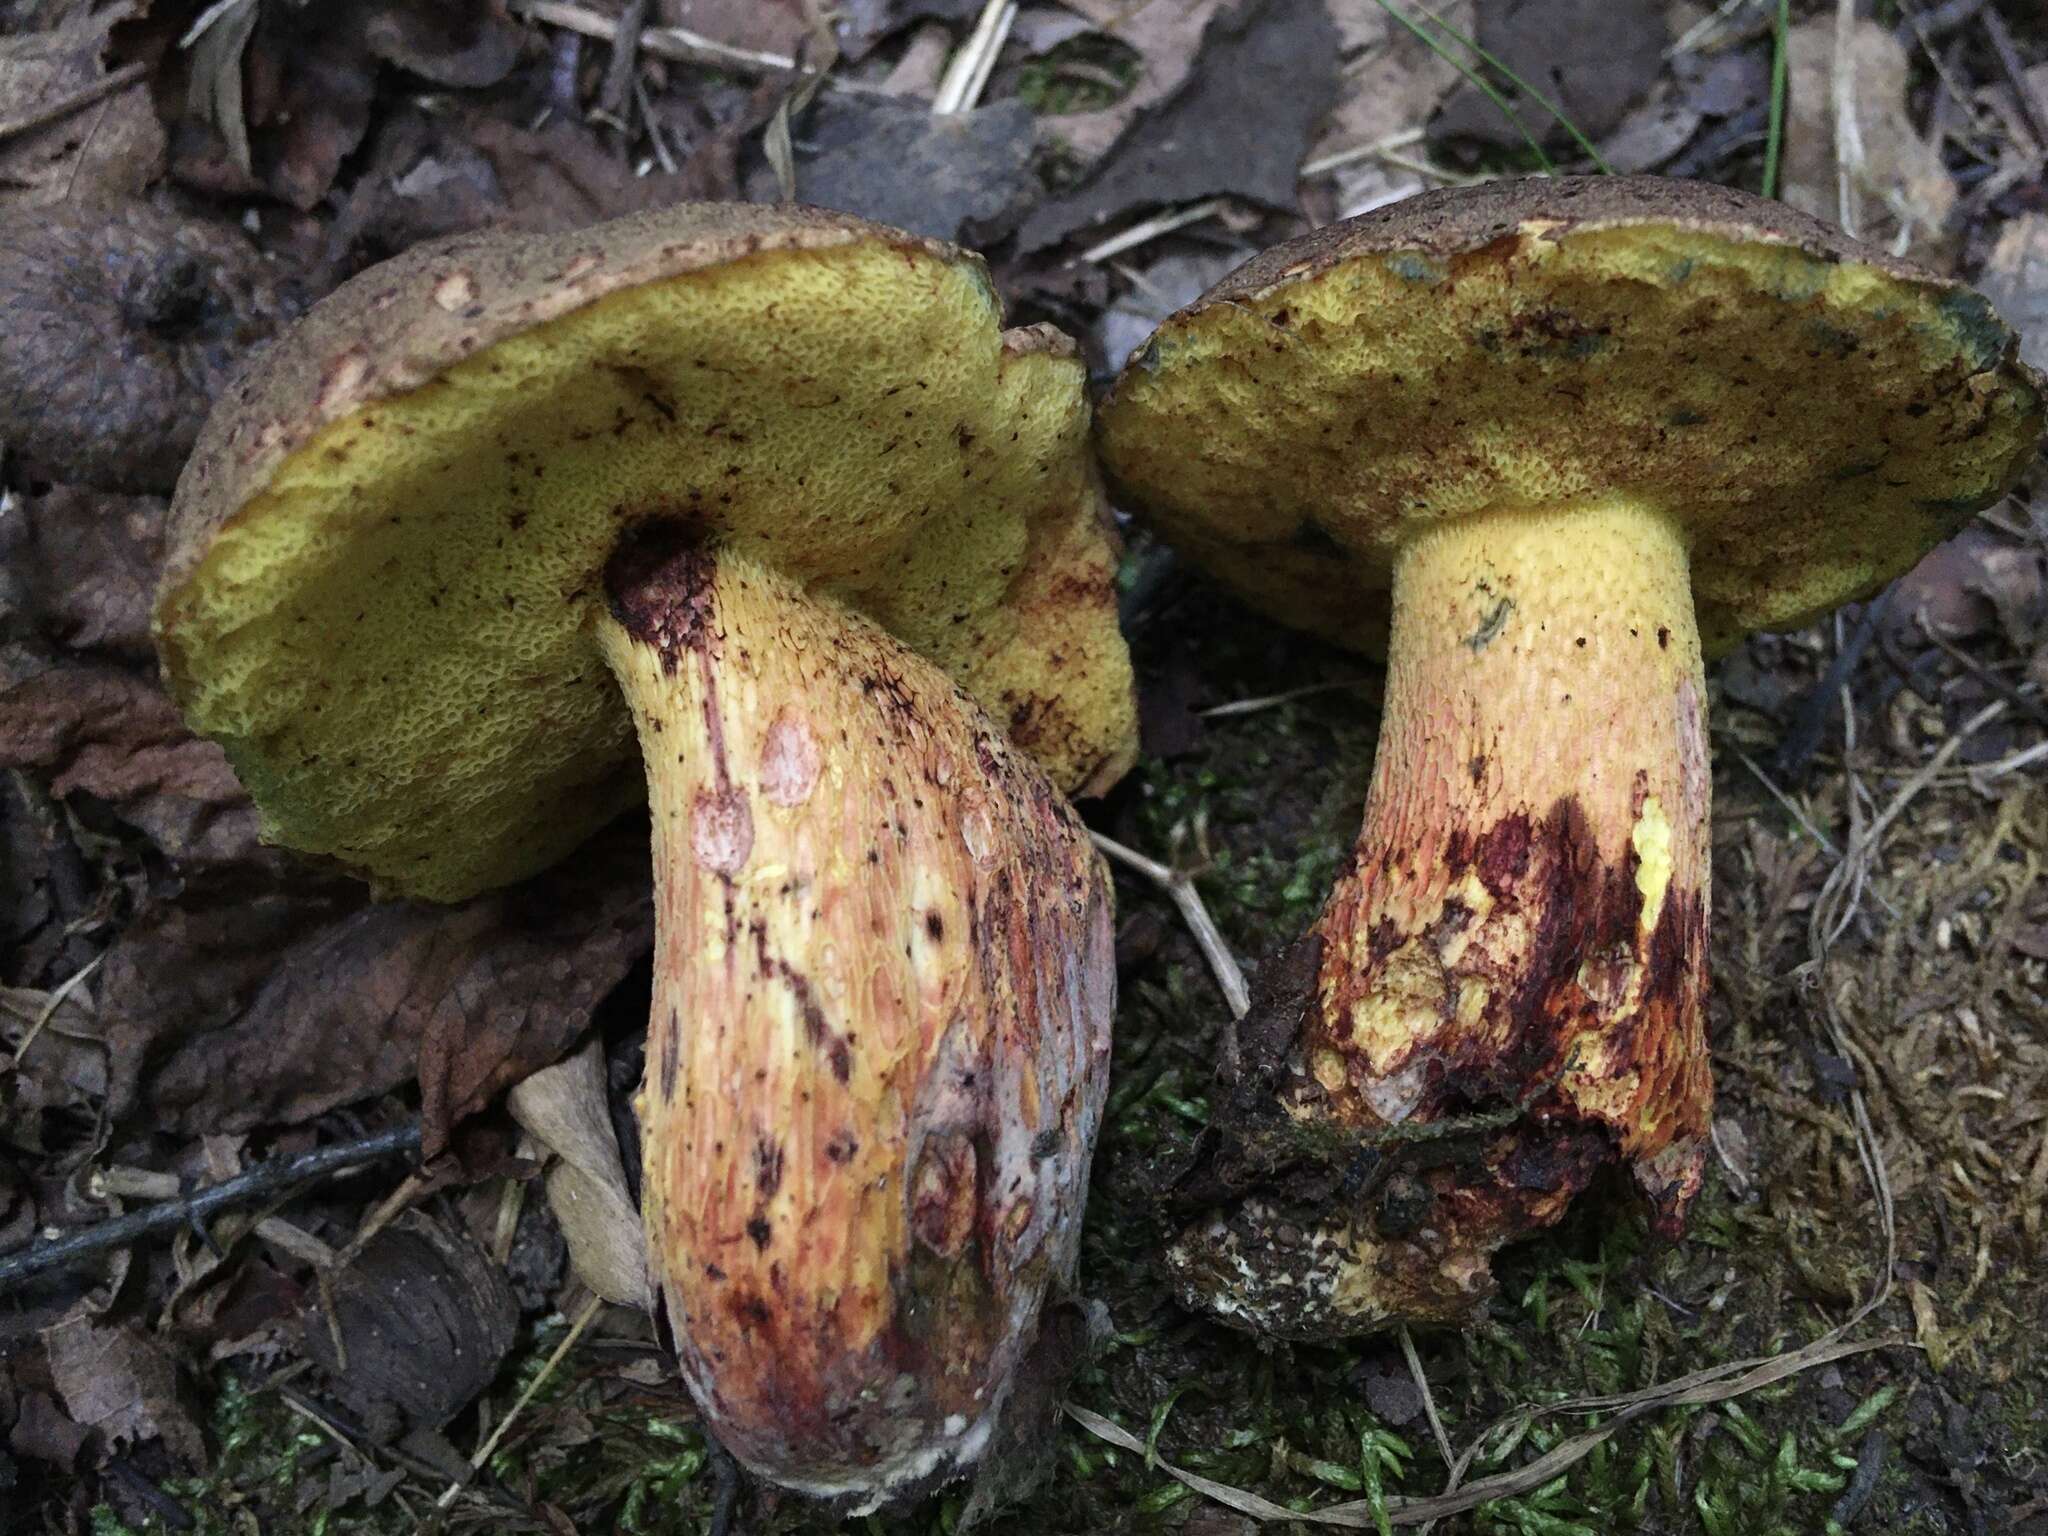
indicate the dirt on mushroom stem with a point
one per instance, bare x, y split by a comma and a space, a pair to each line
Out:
879, 1041
1519, 942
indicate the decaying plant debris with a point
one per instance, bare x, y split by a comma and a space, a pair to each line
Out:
180, 1005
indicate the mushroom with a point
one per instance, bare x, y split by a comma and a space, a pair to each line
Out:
121, 326
759, 513
1564, 437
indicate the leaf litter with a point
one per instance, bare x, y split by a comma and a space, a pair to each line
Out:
1119, 155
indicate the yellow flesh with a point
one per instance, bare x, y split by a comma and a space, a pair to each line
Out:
1812, 425
393, 640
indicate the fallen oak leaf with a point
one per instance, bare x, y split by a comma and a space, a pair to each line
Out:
117, 1380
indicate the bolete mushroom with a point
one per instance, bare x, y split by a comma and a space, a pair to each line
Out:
725, 506
1574, 434
121, 326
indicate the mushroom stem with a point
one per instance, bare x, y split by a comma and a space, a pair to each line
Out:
880, 1031
1521, 935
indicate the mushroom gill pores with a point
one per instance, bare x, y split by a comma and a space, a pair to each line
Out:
756, 512
1548, 443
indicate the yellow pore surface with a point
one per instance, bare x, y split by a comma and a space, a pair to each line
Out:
392, 639
1811, 425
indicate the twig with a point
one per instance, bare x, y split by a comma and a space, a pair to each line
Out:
1795, 752
1436, 1424
262, 1180
1365, 1515
1150, 229
483, 1452
1208, 938
2032, 708
65, 988
1322, 165
2016, 73
617, 95
110, 84
1238, 707
1849, 156
967, 76
679, 45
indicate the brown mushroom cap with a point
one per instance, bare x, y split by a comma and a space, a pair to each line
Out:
390, 539
121, 326
1812, 412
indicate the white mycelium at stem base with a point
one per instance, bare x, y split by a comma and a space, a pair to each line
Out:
880, 1032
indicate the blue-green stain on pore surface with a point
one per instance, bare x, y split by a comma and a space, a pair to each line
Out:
1798, 276
1587, 344
1679, 271
1854, 471
1685, 416
1975, 325
1414, 267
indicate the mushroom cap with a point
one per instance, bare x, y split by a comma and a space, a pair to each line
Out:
1814, 413
122, 327
387, 548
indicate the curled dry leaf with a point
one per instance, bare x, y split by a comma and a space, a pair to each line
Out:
256, 989
466, 44
1166, 35
305, 83
564, 1108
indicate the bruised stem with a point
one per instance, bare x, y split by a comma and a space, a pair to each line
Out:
879, 1042
1522, 928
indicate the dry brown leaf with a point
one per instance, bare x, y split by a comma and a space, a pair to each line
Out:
1894, 177
760, 26
2015, 280
564, 1108
108, 148
1593, 58
1390, 87
116, 1379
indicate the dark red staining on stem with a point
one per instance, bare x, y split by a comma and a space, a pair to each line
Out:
659, 584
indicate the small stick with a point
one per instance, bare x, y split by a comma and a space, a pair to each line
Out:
483, 1452
1150, 229
264, 1179
967, 76
682, 46
617, 95
1436, 1425
2016, 74
107, 85
1208, 938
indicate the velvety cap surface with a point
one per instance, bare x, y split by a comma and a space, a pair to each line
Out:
389, 544
1814, 413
